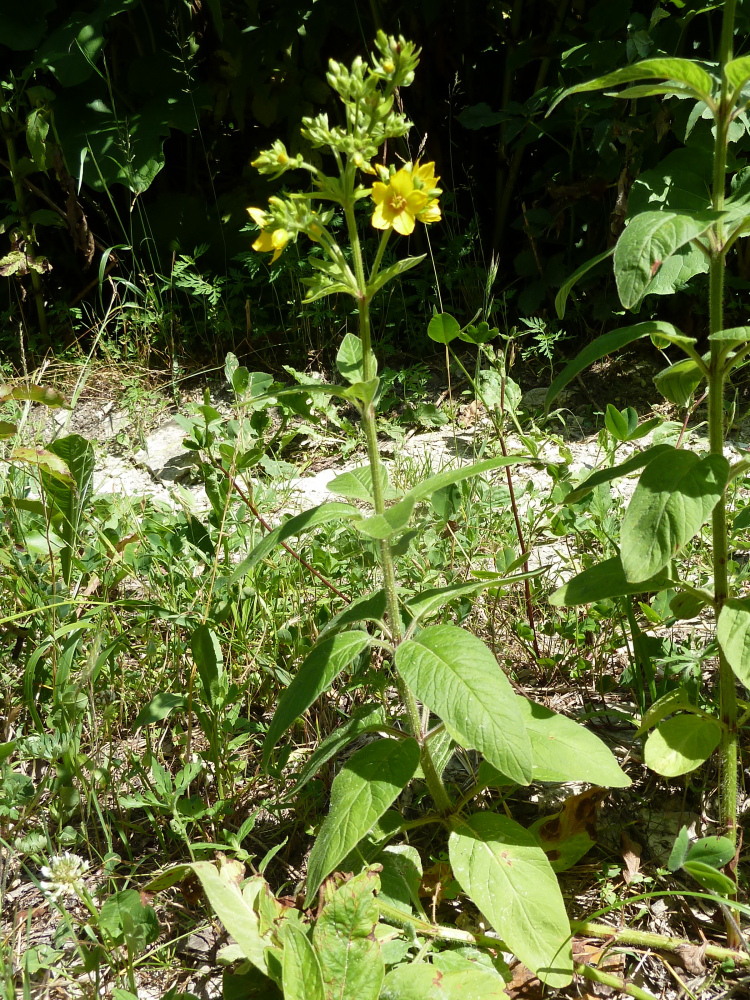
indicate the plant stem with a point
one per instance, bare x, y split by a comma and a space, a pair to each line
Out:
728, 750
645, 939
614, 982
433, 778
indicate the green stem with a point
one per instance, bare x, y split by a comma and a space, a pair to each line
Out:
728, 750
614, 982
645, 939
369, 422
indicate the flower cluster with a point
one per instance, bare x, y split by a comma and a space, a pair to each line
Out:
63, 876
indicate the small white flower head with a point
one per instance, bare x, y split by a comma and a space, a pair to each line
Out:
63, 876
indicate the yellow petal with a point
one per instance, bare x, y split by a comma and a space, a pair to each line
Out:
404, 223
263, 244
258, 216
379, 219
379, 191
430, 214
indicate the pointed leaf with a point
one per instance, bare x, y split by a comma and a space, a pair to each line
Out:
425, 981
632, 464
349, 359
673, 499
364, 788
710, 878
459, 679
305, 521
502, 868
681, 744
561, 298
679, 382
682, 71
737, 72
357, 483
442, 479
204, 645
43, 459
733, 633
382, 526
319, 669
423, 604
302, 978
648, 240
608, 343
716, 851
389, 273
606, 579
565, 751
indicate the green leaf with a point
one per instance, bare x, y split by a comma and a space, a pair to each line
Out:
710, 878
564, 751
345, 941
682, 71
126, 919
678, 382
43, 459
366, 786
737, 73
459, 679
679, 850
319, 669
648, 240
715, 851
424, 981
733, 633
206, 650
681, 744
7, 429
160, 707
443, 328
620, 423
505, 872
305, 521
357, 484
401, 877
606, 579
437, 482
632, 464
673, 499
368, 608
37, 128
561, 298
675, 700
686, 605
423, 604
365, 719
382, 526
350, 359
302, 977
734, 335
389, 273
608, 343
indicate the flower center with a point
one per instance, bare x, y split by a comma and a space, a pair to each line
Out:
398, 202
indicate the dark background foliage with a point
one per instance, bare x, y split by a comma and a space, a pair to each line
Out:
129, 126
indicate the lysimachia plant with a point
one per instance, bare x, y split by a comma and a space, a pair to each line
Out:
451, 690
686, 220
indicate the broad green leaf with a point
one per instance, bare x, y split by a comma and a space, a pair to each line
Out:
305, 521
733, 633
565, 751
349, 359
385, 525
681, 744
737, 72
679, 850
36, 393
357, 483
647, 241
362, 392
43, 459
686, 605
632, 464
319, 669
7, 429
365, 719
424, 981
479, 333
459, 679
682, 71
302, 977
441, 479
608, 343
206, 650
606, 579
716, 851
401, 877
127, 919
620, 423
677, 270
679, 382
561, 298
710, 878
160, 707
505, 872
735, 335
673, 499
364, 788
345, 941
680, 182
443, 328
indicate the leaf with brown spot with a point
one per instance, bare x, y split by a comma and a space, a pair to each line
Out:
571, 833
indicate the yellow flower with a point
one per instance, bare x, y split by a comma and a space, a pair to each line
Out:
406, 197
272, 241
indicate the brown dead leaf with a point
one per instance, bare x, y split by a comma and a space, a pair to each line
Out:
631, 855
691, 956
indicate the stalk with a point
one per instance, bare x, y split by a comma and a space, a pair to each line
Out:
728, 749
433, 778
